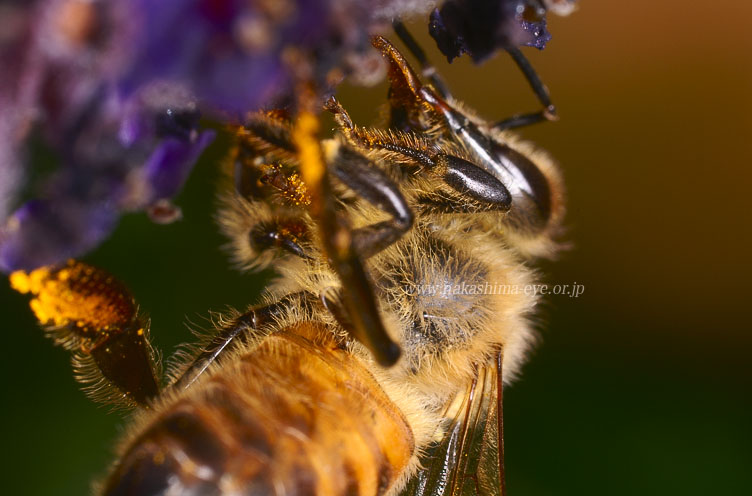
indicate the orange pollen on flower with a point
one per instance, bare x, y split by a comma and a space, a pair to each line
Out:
76, 294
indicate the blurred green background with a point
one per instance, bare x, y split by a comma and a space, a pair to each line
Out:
639, 386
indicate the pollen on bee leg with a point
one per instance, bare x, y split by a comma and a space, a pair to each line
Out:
28, 282
75, 294
290, 186
88, 312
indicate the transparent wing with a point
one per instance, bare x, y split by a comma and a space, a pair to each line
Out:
469, 459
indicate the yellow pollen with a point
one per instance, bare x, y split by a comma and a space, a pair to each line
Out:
76, 294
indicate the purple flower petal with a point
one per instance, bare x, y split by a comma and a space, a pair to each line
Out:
122, 157
197, 43
234, 54
168, 166
49, 232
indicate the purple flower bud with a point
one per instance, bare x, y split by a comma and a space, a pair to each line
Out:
168, 167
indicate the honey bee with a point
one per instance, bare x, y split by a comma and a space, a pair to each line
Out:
375, 362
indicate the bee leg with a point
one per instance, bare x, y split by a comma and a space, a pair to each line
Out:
95, 317
549, 110
478, 190
332, 301
404, 88
267, 133
462, 176
337, 242
453, 203
368, 181
427, 70
272, 219
230, 335
261, 180
373, 185
359, 302
128, 364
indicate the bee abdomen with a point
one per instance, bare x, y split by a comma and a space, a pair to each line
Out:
294, 416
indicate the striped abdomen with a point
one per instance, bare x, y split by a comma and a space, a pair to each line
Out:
294, 416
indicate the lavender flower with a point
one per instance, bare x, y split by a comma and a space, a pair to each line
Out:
122, 157
114, 152
232, 54
114, 91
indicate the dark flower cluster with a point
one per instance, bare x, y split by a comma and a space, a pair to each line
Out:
101, 100
480, 27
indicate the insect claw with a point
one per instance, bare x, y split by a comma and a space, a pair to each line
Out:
550, 113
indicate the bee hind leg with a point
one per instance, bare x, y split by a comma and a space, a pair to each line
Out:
94, 316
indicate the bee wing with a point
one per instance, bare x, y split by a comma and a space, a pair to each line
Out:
469, 459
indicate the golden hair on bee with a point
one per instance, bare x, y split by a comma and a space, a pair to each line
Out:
375, 362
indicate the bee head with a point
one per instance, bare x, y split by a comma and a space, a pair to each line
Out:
421, 108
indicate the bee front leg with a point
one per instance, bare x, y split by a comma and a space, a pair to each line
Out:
373, 185
337, 241
484, 191
426, 68
403, 84
269, 216
541, 92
